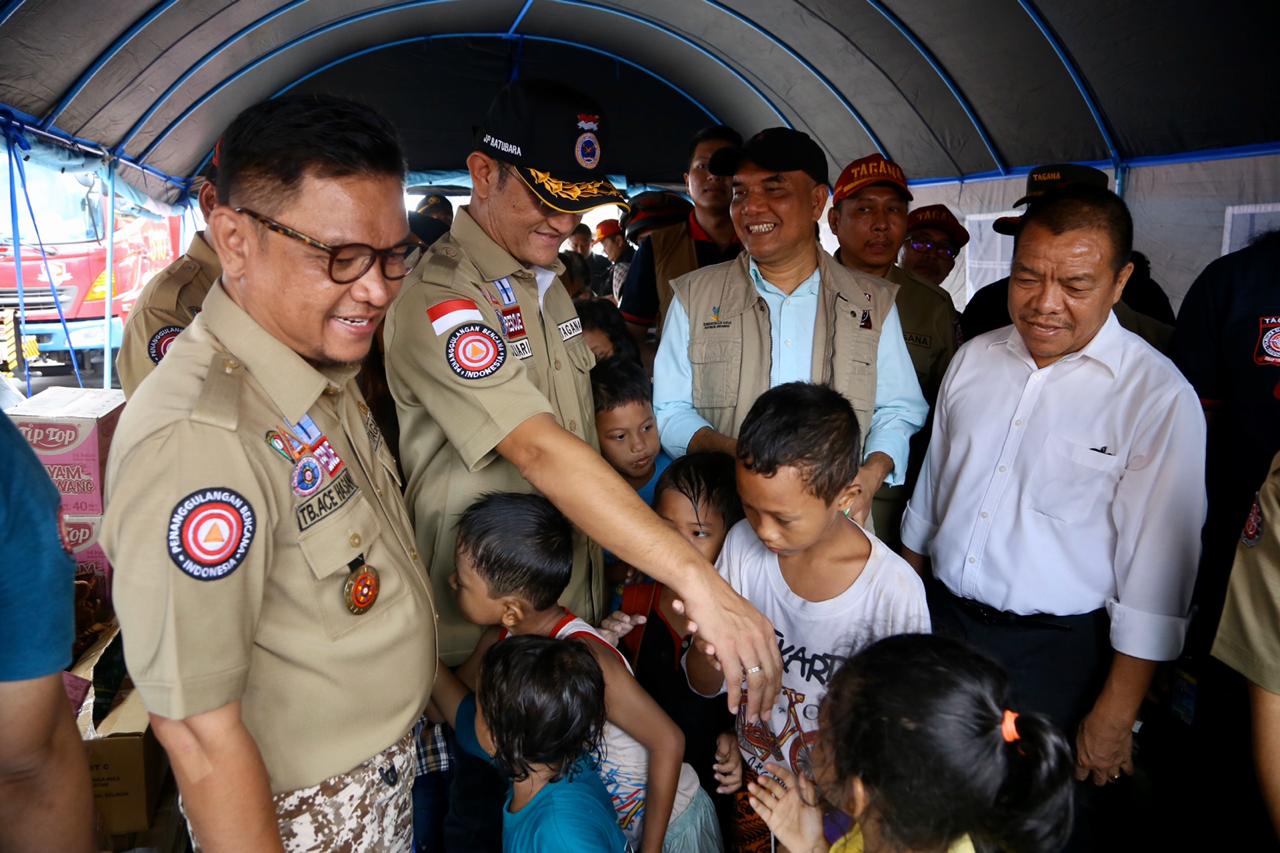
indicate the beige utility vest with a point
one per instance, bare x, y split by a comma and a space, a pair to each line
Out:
730, 338
674, 255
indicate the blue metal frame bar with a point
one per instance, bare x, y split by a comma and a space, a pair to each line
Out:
1068, 63
524, 10
103, 58
9, 8
808, 66
945, 77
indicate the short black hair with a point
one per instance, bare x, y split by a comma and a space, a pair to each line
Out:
618, 381
520, 544
604, 315
543, 701
580, 228
918, 718
575, 267
704, 478
805, 426
272, 145
718, 132
1077, 206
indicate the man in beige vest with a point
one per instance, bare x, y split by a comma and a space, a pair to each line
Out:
784, 311
706, 237
868, 215
170, 301
490, 372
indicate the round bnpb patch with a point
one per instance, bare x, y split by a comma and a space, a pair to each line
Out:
306, 478
361, 590
1252, 532
1271, 342
587, 151
161, 341
475, 351
209, 533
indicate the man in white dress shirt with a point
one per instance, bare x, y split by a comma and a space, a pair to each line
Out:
1063, 492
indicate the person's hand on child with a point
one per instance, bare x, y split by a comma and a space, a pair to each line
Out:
728, 766
788, 805
618, 624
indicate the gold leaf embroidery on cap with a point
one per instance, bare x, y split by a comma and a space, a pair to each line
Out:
564, 189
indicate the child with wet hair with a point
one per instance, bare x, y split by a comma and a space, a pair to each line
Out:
918, 743
539, 716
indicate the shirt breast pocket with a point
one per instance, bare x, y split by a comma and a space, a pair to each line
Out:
1072, 481
330, 549
717, 371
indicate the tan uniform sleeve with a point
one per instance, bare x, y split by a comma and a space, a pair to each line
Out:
188, 530
153, 323
467, 376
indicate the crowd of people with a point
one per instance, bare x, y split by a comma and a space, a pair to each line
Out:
443, 531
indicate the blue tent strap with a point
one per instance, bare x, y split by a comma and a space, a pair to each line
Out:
13, 141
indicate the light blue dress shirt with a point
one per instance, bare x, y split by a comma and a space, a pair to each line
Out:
900, 407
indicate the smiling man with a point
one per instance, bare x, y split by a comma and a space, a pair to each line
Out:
1063, 492
784, 311
491, 375
277, 621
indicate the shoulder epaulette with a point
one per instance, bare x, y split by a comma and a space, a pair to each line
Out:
219, 401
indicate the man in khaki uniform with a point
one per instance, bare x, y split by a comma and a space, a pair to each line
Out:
169, 302
782, 312
869, 217
278, 622
489, 369
1249, 634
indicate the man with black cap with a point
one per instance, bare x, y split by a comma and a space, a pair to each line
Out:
436, 206
989, 307
490, 371
784, 311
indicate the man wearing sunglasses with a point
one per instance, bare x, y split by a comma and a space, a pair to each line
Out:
277, 619
934, 238
868, 215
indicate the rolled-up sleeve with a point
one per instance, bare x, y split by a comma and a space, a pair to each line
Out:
1158, 512
900, 406
678, 420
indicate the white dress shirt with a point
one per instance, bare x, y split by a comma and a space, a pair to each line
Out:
1065, 489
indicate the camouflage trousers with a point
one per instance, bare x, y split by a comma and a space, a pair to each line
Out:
368, 808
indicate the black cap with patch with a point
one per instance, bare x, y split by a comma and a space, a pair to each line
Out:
1040, 180
554, 137
777, 148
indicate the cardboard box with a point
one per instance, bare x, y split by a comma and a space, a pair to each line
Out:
82, 532
70, 430
126, 763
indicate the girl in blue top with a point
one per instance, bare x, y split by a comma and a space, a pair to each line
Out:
539, 719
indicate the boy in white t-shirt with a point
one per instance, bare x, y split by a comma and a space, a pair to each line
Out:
828, 586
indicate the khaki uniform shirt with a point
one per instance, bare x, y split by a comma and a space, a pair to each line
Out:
1249, 634
167, 305
476, 344
929, 324
232, 561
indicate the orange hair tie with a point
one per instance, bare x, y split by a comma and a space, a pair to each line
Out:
1008, 726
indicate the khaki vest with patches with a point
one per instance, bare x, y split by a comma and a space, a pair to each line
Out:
674, 255
730, 335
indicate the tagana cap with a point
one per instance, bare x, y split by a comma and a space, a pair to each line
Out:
939, 216
870, 171
554, 137
1040, 180
606, 229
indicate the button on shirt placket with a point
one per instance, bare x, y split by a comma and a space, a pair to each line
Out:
1001, 478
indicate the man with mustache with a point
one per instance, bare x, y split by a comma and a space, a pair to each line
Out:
1063, 492
277, 620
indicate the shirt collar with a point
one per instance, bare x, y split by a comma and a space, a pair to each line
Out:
202, 253
493, 261
808, 287
291, 383
1106, 347
697, 232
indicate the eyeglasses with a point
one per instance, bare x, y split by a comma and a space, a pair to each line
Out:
350, 261
930, 247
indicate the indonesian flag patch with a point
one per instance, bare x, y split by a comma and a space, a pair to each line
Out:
453, 313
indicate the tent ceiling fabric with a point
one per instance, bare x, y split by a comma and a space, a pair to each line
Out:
949, 90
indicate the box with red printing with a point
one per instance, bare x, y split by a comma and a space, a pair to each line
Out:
93, 571
70, 430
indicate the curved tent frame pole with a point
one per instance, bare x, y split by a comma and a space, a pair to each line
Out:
111, 273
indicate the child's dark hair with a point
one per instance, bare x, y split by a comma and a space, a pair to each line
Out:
919, 719
805, 426
604, 316
704, 478
543, 701
520, 544
618, 381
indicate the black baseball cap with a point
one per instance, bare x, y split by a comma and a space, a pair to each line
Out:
778, 148
554, 137
1040, 180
